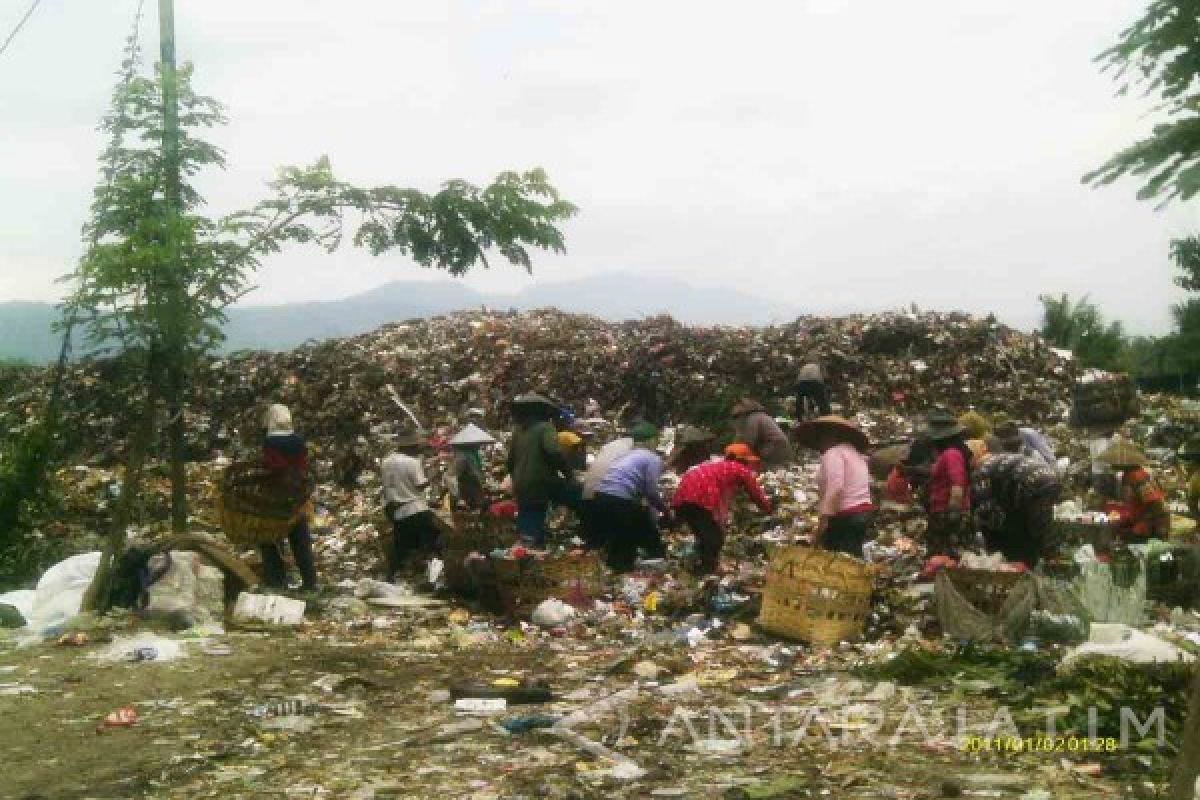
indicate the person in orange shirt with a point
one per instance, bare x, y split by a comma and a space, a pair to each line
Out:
1145, 511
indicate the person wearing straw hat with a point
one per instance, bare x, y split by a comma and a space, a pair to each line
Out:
949, 493
754, 427
470, 479
693, 446
705, 493
286, 452
621, 512
539, 471
1144, 512
403, 481
593, 535
843, 483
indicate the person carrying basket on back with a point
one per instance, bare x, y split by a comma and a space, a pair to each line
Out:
285, 456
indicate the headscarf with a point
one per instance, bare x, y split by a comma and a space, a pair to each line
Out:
741, 452
279, 421
979, 449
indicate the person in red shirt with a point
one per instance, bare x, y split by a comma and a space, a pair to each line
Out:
285, 453
950, 523
704, 495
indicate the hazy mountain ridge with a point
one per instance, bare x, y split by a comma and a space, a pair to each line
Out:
26, 329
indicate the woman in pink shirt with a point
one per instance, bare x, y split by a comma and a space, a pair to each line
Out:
950, 523
843, 483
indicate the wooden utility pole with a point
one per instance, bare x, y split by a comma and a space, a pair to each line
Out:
174, 277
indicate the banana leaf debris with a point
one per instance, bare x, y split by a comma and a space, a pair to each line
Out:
652, 683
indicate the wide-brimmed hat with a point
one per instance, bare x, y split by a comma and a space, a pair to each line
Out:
1122, 453
942, 425
534, 399
741, 452
690, 434
843, 430
746, 406
471, 436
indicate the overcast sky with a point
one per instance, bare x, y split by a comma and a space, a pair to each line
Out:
833, 154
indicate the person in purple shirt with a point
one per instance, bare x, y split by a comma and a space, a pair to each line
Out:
1029, 442
626, 500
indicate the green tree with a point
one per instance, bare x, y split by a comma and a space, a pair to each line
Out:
1160, 54
1186, 255
1080, 327
157, 284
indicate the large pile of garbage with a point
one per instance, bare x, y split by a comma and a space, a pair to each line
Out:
660, 368
656, 682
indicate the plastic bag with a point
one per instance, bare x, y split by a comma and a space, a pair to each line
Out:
552, 613
59, 593
189, 589
1127, 644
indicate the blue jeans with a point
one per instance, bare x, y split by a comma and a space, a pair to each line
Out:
531, 524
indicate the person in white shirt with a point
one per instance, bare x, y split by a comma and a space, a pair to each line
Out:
414, 528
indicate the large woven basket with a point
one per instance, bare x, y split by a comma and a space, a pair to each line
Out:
522, 583
817, 596
1104, 402
472, 533
259, 506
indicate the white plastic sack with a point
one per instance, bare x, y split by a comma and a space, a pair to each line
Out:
1125, 643
59, 593
21, 600
368, 588
189, 589
269, 608
552, 613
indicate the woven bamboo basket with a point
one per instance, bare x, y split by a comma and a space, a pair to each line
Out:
258, 506
817, 596
472, 533
521, 584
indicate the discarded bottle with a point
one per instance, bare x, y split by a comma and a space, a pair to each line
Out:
722, 603
287, 708
144, 654
528, 723
513, 694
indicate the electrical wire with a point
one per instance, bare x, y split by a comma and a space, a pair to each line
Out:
20, 25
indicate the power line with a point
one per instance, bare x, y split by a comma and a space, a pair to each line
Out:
20, 25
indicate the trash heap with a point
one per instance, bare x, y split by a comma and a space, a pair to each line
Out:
441, 367
610, 689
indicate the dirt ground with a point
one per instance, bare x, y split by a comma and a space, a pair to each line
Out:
378, 731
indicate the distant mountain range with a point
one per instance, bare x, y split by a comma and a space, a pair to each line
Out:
26, 329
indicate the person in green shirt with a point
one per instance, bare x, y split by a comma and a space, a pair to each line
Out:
539, 470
